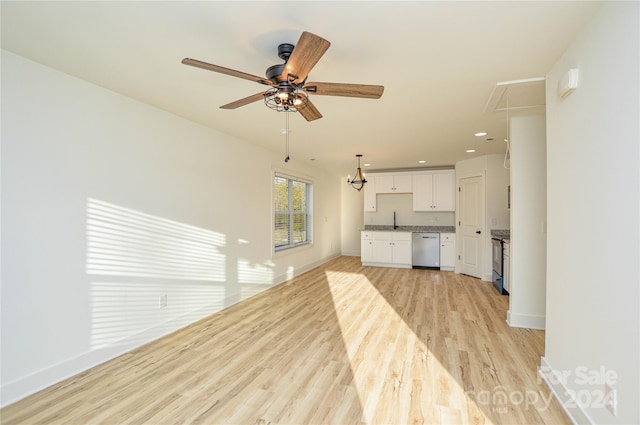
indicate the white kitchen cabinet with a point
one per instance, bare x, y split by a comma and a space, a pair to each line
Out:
447, 251
383, 251
370, 198
366, 247
506, 266
434, 191
393, 183
386, 249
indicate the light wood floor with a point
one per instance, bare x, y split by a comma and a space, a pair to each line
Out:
341, 344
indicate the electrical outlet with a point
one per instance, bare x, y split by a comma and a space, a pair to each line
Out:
611, 399
162, 301
494, 221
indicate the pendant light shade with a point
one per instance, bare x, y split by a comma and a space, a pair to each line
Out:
359, 179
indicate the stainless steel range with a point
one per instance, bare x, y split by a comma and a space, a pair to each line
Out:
497, 245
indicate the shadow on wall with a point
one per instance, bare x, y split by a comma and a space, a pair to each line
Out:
146, 271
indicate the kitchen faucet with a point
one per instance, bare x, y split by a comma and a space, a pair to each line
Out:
394, 221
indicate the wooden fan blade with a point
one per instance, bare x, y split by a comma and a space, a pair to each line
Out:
309, 112
348, 90
226, 71
305, 55
245, 101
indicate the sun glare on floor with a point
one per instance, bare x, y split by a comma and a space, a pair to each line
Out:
376, 337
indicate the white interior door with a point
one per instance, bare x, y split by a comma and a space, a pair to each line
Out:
471, 225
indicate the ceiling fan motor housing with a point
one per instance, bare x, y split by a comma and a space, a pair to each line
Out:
284, 51
274, 73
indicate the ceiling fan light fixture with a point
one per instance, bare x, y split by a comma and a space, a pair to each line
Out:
359, 180
285, 100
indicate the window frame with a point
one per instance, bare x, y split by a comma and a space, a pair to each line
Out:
308, 212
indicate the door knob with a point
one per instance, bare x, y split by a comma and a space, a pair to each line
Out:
478, 231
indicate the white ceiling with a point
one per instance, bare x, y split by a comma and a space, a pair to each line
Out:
439, 63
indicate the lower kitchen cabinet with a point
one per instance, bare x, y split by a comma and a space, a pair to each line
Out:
447, 251
386, 249
366, 247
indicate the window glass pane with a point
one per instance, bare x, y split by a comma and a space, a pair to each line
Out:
281, 194
291, 212
281, 230
299, 196
299, 228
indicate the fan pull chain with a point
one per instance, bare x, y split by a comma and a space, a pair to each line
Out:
286, 113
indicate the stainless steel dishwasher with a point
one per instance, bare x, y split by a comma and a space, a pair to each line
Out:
426, 250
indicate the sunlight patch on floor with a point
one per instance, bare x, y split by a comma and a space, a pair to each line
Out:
375, 337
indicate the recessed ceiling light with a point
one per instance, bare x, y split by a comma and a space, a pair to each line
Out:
470, 150
480, 134
422, 161
367, 165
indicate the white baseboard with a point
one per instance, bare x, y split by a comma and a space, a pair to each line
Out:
525, 321
561, 393
25, 386
277, 280
390, 265
351, 253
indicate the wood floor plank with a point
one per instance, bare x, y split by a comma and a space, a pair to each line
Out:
341, 344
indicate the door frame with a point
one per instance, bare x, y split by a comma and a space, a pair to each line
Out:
485, 276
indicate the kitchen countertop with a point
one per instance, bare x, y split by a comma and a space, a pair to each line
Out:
505, 235
389, 228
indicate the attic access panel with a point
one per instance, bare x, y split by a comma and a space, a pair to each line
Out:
517, 94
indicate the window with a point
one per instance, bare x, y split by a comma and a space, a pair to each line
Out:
292, 212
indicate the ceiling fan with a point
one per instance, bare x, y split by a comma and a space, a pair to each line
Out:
288, 81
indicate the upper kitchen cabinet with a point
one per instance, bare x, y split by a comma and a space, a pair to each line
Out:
434, 191
370, 199
393, 183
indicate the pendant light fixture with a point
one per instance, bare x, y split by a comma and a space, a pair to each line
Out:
359, 179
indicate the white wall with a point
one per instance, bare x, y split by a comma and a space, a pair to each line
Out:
528, 222
496, 182
352, 219
402, 205
497, 192
80, 164
593, 308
